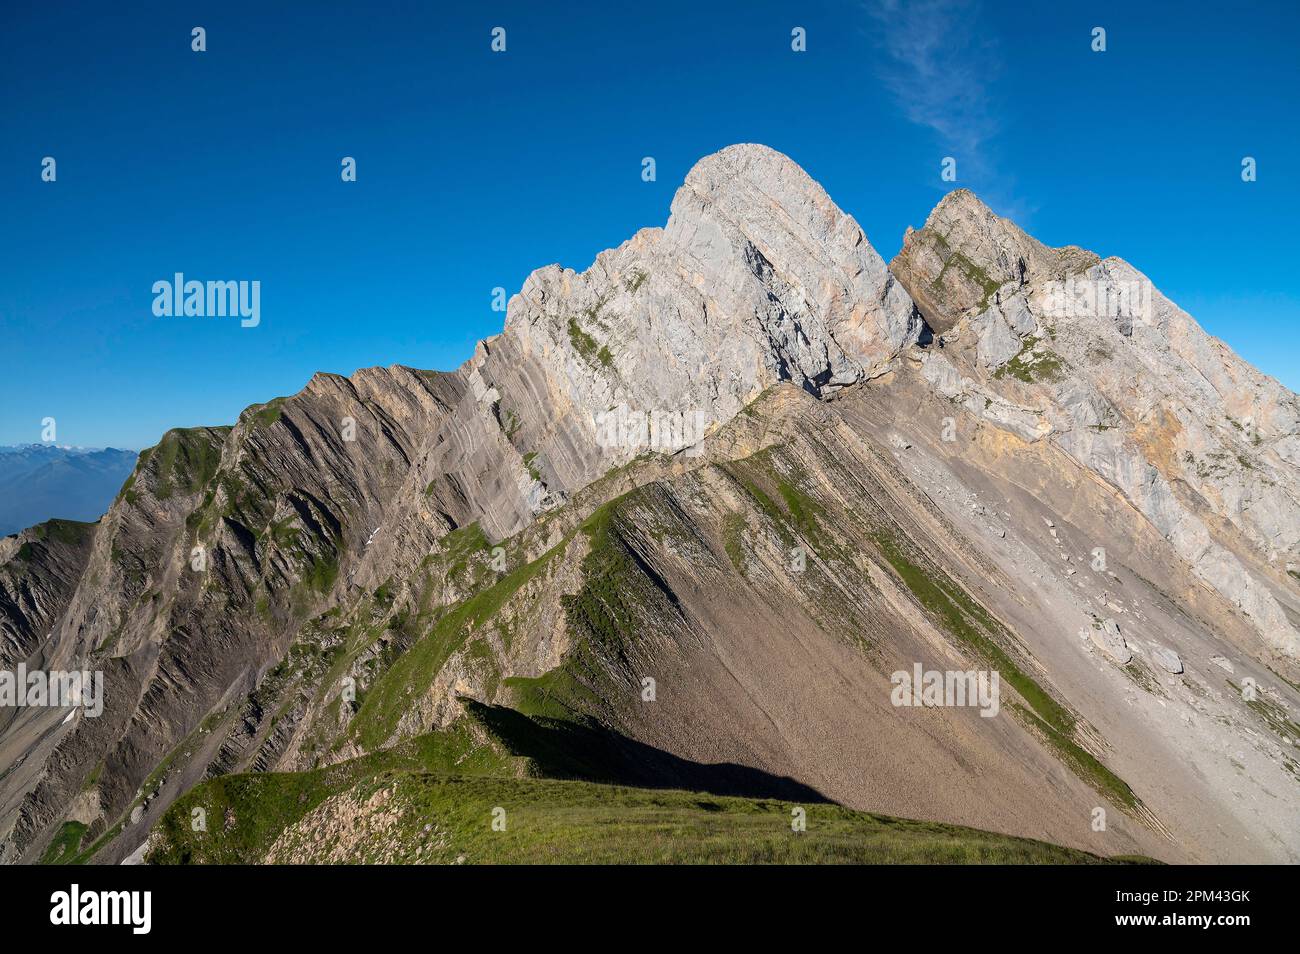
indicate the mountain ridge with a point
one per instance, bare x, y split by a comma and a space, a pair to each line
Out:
365, 551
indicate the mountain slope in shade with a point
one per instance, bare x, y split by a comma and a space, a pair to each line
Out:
42, 481
939, 463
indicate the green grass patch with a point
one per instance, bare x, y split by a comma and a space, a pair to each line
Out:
509, 422
533, 472
66, 532
414, 671
954, 257
1030, 366
555, 695
606, 615
1083, 763
64, 848
796, 511
1274, 715
744, 473
587, 347
186, 459
609, 609
733, 530
69, 532
1143, 677
285, 535
245, 813
464, 553
321, 574
264, 415
804, 510
971, 624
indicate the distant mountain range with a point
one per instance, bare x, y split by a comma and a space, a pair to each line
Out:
40, 481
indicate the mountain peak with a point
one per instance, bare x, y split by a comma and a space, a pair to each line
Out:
751, 163
956, 203
751, 206
757, 278
966, 252
770, 198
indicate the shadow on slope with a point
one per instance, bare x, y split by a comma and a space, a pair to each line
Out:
244, 814
561, 749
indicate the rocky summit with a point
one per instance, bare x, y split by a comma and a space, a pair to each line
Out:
683, 524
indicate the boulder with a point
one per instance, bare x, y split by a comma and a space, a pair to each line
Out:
1167, 659
1109, 640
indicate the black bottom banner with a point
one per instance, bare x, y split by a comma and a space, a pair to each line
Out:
142, 905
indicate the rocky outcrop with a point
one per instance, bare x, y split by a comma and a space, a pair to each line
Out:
1095, 358
964, 254
1109, 640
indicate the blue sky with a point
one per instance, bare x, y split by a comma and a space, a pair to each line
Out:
474, 167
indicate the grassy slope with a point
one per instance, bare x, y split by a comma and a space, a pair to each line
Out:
551, 821
244, 813
431, 800
556, 821
968, 621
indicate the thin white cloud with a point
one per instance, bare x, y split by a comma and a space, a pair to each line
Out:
941, 63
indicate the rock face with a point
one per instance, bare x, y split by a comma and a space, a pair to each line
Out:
758, 278
965, 253
752, 229
726, 459
1126, 383
39, 570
